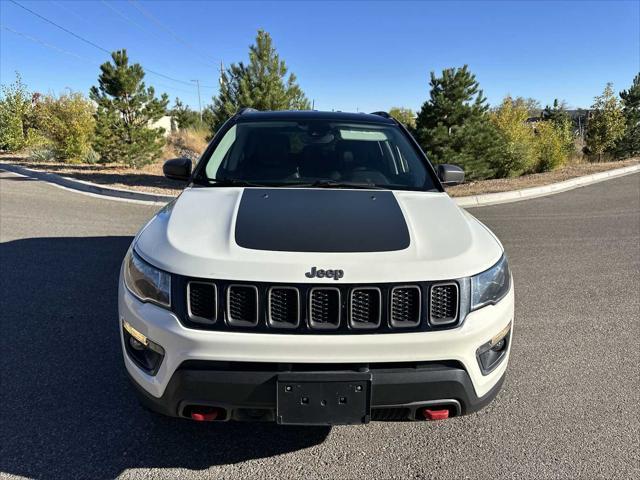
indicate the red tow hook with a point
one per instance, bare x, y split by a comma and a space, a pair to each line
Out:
433, 414
204, 416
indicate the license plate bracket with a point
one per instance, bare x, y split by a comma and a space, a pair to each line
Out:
323, 398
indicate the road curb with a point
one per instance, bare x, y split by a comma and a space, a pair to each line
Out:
88, 187
469, 201
544, 190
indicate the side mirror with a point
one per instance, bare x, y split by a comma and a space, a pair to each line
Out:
177, 169
450, 175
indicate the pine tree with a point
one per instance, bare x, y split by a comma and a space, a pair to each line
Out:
453, 125
629, 144
607, 123
261, 84
126, 109
184, 116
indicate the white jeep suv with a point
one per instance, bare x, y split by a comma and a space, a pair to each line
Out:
314, 271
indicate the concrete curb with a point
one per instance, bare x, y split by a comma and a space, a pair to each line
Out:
470, 201
89, 188
544, 190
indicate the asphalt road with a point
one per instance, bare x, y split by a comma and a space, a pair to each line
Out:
569, 407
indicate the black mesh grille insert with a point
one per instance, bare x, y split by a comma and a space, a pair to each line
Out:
284, 307
444, 303
203, 305
405, 306
242, 305
390, 414
365, 308
324, 308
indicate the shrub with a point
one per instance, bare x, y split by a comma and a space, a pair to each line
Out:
188, 143
91, 157
67, 121
517, 153
15, 106
41, 154
551, 151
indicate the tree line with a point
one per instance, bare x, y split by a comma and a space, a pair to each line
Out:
117, 122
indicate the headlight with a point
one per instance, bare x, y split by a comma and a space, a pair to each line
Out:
145, 281
491, 285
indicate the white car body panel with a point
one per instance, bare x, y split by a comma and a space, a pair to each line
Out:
181, 343
195, 236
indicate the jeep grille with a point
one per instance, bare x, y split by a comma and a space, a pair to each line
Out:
284, 307
324, 308
242, 305
203, 303
444, 303
365, 308
320, 308
406, 306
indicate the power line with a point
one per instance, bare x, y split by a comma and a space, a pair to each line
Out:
79, 57
158, 23
61, 27
102, 49
141, 28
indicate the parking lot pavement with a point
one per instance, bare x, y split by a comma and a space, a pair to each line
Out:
569, 407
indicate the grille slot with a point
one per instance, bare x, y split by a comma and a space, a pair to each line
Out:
390, 414
444, 303
324, 308
242, 305
202, 304
406, 306
284, 307
365, 307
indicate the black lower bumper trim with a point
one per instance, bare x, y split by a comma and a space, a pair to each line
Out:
248, 391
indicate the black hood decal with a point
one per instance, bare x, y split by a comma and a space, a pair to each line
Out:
323, 220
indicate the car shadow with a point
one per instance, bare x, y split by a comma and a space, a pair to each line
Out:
66, 409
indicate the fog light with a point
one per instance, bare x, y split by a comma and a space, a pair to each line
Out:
491, 353
143, 352
500, 345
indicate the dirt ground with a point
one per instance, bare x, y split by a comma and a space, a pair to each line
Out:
150, 178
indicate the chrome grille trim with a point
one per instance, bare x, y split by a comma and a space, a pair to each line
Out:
396, 308
198, 318
240, 322
321, 324
436, 318
270, 308
374, 319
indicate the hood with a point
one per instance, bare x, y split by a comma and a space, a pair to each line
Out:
276, 235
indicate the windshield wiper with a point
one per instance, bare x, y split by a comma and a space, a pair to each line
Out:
234, 182
335, 184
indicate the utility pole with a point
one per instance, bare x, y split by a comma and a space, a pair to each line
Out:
199, 100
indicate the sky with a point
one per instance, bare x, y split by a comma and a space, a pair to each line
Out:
349, 56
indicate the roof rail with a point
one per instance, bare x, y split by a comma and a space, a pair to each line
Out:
381, 114
244, 110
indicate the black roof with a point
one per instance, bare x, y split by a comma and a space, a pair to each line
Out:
298, 115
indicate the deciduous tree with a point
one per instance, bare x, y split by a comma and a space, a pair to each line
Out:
405, 116
607, 123
15, 106
68, 122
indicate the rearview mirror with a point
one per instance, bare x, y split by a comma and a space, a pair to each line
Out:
177, 169
450, 175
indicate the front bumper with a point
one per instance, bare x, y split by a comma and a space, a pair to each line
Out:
427, 366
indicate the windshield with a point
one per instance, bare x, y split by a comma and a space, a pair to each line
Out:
316, 153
